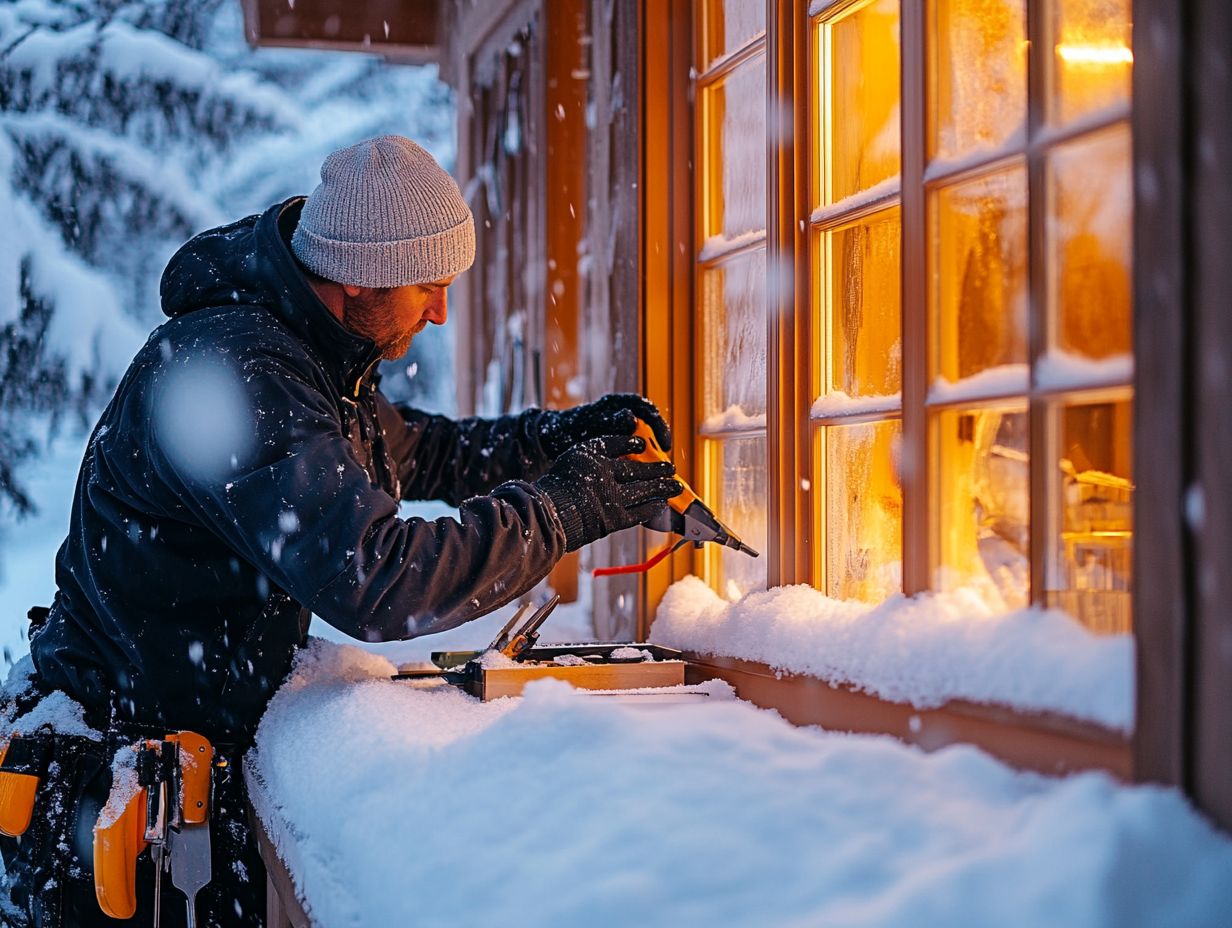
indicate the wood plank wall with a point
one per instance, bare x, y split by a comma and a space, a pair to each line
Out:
1183, 433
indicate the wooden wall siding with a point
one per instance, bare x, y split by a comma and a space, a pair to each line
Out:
666, 283
404, 31
1182, 238
567, 250
491, 86
1210, 145
1162, 427
610, 354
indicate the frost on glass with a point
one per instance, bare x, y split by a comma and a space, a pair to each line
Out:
977, 57
1092, 57
1090, 244
734, 127
981, 503
864, 511
1090, 553
733, 321
859, 96
862, 289
729, 25
978, 298
736, 490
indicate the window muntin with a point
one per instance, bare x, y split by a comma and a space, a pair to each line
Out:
728, 26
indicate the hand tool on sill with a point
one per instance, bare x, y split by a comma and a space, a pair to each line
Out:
524, 638
684, 515
168, 812
513, 644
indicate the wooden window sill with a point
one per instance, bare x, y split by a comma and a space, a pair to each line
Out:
1044, 742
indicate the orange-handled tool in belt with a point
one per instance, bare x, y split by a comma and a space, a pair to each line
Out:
23, 760
684, 515
168, 812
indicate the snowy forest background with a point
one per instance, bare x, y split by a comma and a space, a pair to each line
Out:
126, 127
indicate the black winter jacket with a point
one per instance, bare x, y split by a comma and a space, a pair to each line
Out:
246, 472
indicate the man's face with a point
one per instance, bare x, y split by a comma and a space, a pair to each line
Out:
393, 316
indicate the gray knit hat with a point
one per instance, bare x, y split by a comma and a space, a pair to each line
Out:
385, 215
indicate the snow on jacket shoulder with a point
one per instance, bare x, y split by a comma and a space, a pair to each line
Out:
246, 454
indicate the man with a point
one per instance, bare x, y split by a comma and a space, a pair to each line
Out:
247, 473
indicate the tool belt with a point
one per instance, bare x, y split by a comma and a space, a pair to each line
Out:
160, 799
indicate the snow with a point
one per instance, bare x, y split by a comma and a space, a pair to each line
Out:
718, 245
923, 651
733, 419
1002, 380
27, 568
881, 190
836, 403
58, 712
1061, 370
398, 804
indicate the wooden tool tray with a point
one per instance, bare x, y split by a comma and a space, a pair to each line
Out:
600, 672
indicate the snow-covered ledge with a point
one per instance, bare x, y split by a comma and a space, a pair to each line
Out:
923, 651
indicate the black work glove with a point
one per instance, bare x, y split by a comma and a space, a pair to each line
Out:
597, 491
614, 414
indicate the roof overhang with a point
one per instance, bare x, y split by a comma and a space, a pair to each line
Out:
402, 31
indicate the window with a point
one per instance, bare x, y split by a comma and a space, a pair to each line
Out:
966, 228
856, 228
730, 283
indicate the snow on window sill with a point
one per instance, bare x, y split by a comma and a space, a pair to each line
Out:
924, 651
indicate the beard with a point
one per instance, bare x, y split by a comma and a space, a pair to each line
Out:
370, 315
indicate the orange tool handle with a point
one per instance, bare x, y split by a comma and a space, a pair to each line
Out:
682, 500
17, 794
116, 847
196, 761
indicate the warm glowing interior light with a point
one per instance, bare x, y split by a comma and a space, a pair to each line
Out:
1095, 54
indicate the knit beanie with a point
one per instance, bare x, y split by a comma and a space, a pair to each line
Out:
384, 215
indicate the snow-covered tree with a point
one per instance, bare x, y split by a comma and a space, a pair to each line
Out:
126, 126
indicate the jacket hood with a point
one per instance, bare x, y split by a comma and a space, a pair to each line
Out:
250, 263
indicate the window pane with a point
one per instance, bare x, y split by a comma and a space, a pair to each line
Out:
864, 511
733, 337
977, 59
859, 96
979, 275
1090, 539
736, 490
734, 133
729, 26
1090, 228
862, 286
1092, 58
981, 506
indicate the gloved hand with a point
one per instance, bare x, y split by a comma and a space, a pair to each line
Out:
597, 491
614, 414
